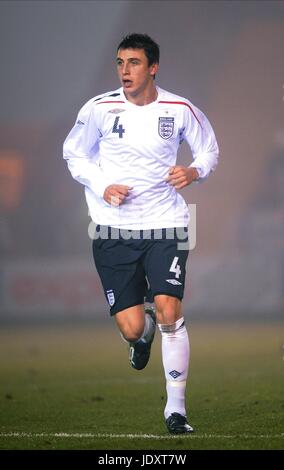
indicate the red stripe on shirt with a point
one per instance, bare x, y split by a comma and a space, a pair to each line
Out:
185, 104
104, 102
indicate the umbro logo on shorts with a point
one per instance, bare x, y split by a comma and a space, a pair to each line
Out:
174, 282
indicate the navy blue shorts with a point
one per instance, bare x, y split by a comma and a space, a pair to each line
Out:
136, 265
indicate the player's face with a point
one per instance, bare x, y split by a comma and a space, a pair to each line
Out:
135, 74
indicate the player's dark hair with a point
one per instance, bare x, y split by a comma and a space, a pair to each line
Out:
142, 41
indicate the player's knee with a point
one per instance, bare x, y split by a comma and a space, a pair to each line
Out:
167, 314
168, 309
132, 333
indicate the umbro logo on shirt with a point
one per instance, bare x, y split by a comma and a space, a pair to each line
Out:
174, 282
116, 111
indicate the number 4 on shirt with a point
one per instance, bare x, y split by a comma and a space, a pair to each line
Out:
118, 129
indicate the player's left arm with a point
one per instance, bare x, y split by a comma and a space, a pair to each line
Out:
181, 176
200, 136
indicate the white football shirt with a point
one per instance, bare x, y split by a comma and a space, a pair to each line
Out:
117, 142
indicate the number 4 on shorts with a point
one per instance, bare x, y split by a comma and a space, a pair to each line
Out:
175, 267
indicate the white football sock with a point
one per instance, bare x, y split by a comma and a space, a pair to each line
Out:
175, 355
148, 329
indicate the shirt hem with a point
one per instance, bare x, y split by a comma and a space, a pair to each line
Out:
145, 226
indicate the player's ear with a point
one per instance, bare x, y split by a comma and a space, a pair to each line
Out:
154, 69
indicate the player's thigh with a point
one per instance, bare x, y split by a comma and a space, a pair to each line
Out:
121, 273
165, 267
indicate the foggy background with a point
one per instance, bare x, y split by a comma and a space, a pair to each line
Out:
224, 56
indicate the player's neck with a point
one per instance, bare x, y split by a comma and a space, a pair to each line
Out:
143, 98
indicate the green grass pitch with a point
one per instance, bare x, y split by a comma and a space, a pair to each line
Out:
71, 387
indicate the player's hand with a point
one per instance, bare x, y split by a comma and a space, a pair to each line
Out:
181, 176
115, 194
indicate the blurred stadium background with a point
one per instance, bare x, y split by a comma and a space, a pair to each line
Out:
227, 58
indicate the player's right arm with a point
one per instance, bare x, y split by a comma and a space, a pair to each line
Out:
81, 154
80, 151
115, 194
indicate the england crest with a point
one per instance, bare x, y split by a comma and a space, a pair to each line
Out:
110, 297
166, 127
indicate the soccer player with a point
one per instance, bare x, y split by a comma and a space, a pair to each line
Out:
123, 149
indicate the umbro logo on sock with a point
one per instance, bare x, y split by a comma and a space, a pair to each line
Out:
175, 374
174, 282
